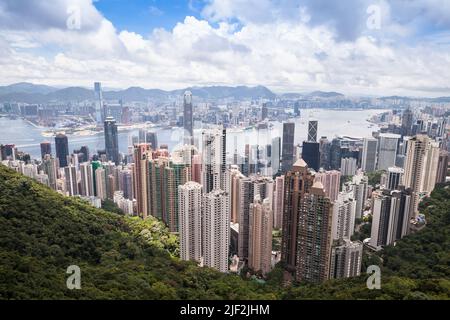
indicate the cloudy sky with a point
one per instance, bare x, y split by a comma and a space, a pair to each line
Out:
370, 47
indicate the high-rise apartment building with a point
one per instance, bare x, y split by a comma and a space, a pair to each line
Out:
216, 230
190, 220
298, 182
260, 235
314, 237
331, 182
421, 168
142, 155
214, 159
87, 180
278, 202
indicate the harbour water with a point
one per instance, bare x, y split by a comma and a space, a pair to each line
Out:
331, 123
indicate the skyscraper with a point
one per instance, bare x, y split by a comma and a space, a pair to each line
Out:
407, 122
188, 118
344, 212
100, 183
50, 168
348, 166
216, 230
297, 183
287, 158
369, 156
314, 236
260, 235
387, 150
390, 220
70, 177
87, 179
421, 168
100, 115
214, 159
324, 150
394, 178
275, 154
311, 154
346, 258
278, 202
331, 181
111, 140
177, 173
264, 112
442, 166
46, 148
62, 149
142, 154
312, 130
190, 220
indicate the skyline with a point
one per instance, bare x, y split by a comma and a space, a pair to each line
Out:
287, 46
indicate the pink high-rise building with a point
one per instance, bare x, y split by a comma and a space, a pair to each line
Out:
330, 181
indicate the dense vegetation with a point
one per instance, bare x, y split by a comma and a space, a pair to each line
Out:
42, 233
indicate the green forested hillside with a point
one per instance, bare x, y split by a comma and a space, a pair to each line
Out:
42, 233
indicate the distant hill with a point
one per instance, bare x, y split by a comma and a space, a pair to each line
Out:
43, 232
322, 94
30, 93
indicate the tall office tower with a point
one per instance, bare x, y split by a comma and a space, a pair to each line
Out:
190, 218
260, 235
297, 183
394, 178
111, 140
62, 149
188, 118
314, 236
407, 122
312, 130
442, 168
346, 258
126, 183
369, 155
177, 173
344, 212
348, 166
152, 138
387, 150
46, 148
278, 202
421, 168
248, 189
311, 154
216, 230
70, 176
287, 157
390, 220
87, 180
83, 153
51, 170
142, 154
264, 112
99, 109
324, 150
276, 155
197, 168
156, 187
335, 154
331, 181
214, 159
359, 185
297, 109
100, 183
